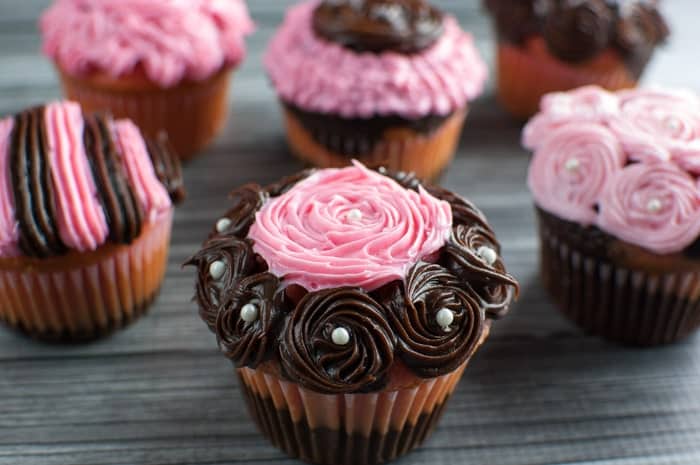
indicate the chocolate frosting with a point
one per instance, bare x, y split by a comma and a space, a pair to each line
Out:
397, 321
167, 167
578, 31
403, 26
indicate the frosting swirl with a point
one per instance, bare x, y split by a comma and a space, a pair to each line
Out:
168, 40
9, 228
247, 200
403, 26
654, 205
571, 168
312, 354
349, 227
577, 33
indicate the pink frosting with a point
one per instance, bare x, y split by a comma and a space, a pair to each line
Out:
654, 205
170, 40
9, 229
349, 227
320, 76
571, 168
79, 215
139, 168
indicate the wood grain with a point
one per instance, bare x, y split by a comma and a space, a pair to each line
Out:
539, 393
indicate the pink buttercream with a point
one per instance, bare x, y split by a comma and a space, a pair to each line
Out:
571, 168
320, 76
349, 227
139, 168
170, 40
654, 205
79, 215
9, 229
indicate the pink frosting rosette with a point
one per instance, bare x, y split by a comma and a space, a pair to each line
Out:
170, 40
586, 104
653, 205
571, 168
660, 124
320, 76
349, 227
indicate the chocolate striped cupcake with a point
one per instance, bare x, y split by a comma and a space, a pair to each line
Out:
85, 217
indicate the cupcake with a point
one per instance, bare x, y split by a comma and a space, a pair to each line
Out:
85, 217
350, 302
615, 182
165, 64
383, 81
557, 45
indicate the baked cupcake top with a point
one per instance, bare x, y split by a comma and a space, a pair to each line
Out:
167, 40
578, 30
362, 59
71, 182
339, 273
627, 163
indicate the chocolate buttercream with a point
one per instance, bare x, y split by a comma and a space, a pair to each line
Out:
168, 170
403, 26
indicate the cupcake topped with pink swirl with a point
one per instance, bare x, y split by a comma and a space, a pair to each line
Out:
626, 163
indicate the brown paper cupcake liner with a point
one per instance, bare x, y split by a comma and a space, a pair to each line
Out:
191, 113
625, 305
523, 78
83, 296
400, 149
345, 429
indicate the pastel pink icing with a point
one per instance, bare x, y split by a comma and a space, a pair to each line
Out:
9, 229
626, 208
349, 227
170, 40
320, 76
79, 215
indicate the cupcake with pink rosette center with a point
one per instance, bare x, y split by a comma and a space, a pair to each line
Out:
384, 81
350, 302
615, 180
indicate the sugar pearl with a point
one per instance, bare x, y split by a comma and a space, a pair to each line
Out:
445, 317
340, 336
249, 313
354, 215
654, 205
572, 164
222, 225
217, 269
487, 254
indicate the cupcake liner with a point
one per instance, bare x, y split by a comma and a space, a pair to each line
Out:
84, 295
192, 113
344, 429
629, 306
401, 149
523, 78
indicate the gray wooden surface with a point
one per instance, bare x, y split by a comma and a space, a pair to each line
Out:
539, 393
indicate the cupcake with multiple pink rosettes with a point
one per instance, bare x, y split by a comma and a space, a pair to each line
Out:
86, 208
350, 302
615, 177
165, 64
384, 81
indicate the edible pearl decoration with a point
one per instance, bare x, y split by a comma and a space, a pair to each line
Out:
654, 205
249, 313
487, 254
340, 336
217, 270
572, 164
673, 124
222, 225
445, 317
354, 215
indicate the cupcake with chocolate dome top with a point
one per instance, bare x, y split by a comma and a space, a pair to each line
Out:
86, 207
556, 45
350, 302
384, 81
165, 64
616, 181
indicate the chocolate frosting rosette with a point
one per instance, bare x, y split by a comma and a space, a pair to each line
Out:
615, 181
350, 301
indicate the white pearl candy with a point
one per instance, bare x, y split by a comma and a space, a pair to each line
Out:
217, 270
354, 215
445, 317
487, 254
222, 225
572, 164
249, 313
654, 205
340, 336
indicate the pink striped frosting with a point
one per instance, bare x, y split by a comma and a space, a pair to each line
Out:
349, 227
169, 40
9, 228
320, 76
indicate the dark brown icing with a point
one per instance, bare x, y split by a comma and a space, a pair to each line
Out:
578, 31
167, 166
396, 321
403, 26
